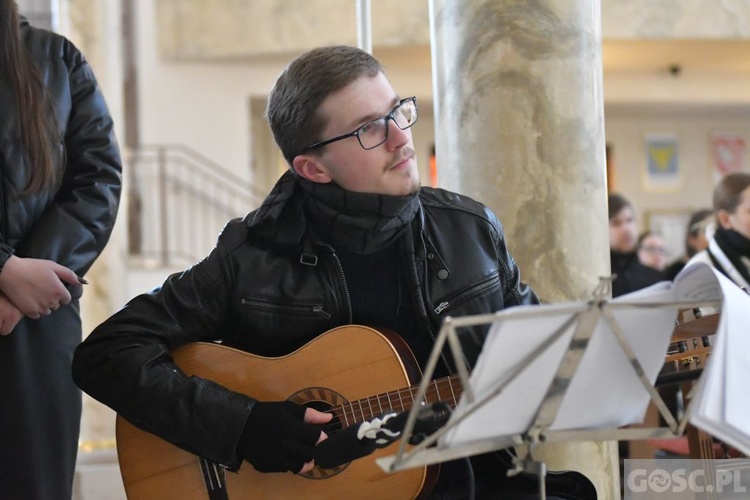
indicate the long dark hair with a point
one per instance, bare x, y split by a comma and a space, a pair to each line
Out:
38, 132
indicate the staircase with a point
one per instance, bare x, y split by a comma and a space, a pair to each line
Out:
178, 201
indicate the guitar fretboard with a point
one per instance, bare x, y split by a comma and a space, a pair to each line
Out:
447, 389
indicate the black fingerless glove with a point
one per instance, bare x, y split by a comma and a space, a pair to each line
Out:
276, 439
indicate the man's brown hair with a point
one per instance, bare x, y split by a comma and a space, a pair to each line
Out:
727, 192
294, 102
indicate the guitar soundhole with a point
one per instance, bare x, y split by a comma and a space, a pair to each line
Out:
321, 399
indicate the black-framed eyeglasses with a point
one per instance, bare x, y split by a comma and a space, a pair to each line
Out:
374, 133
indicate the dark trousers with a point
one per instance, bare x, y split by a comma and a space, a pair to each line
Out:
40, 411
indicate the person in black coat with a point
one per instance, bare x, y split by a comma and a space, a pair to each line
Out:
59, 194
347, 236
629, 274
695, 240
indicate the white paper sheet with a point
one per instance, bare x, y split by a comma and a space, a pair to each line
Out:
720, 405
605, 391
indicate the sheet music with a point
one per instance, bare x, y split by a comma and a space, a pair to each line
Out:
605, 391
512, 338
720, 405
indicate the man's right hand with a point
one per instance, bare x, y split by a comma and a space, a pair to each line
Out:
36, 286
280, 436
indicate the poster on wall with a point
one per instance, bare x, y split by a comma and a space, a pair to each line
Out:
662, 162
728, 153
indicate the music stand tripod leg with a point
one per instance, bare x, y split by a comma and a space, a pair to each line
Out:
540, 469
526, 463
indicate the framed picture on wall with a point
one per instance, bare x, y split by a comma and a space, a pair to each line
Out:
672, 226
662, 162
728, 151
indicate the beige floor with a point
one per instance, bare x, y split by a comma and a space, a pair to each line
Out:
97, 477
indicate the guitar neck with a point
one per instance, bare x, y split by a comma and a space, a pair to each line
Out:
447, 390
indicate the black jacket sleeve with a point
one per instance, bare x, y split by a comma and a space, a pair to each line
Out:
76, 226
126, 364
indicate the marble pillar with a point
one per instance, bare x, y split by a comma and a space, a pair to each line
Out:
519, 126
94, 27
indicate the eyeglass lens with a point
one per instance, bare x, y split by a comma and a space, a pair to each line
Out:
375, 133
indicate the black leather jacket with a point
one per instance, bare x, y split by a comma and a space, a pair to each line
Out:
268, 288
70, 226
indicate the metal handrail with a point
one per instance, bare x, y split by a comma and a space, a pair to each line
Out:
200, 162
179, 199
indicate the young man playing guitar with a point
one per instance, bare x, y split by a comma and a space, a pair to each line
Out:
347, 236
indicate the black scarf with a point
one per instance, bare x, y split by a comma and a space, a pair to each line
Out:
734, 246
358, 222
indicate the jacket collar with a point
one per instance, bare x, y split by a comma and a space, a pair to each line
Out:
280, 218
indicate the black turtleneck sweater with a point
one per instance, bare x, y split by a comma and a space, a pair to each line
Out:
379, 295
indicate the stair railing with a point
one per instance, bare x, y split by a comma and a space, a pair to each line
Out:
178, 201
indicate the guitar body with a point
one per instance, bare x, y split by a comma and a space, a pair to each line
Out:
344, 364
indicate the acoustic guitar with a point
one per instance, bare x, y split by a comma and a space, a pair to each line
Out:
354, 372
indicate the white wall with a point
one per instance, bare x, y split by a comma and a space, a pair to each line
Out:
205, 106
626, 131
201, 105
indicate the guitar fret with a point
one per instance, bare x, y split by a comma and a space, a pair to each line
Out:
392, 404
372, 413
346, 419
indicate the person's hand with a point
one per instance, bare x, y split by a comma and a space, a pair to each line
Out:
281, 436
36, 286
9, 315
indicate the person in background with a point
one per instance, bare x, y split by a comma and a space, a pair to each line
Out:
629, 274
59, 194
695, 240
729, 247
651, 250
346, 236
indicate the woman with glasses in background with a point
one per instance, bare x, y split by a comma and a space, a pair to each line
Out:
651, 250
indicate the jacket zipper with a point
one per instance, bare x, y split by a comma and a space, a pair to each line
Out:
442, 353
315, 309
469, 293
344, 286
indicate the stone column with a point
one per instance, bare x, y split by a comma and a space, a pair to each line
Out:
94, 28
519, 126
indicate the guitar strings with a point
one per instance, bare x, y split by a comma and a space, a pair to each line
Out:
400, 400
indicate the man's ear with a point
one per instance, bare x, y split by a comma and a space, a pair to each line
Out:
308, 167
723, 217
